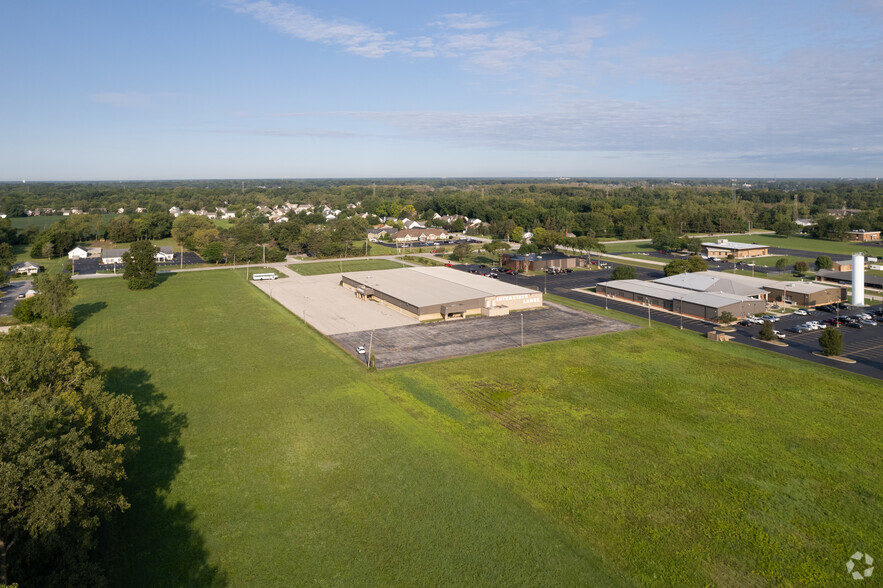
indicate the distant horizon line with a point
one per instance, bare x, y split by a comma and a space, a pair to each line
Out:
458, 178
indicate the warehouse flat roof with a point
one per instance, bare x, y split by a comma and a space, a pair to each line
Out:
712, 282
434, 285
666, 292
735, 245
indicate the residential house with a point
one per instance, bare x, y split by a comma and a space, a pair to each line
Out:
27, 268
378, 233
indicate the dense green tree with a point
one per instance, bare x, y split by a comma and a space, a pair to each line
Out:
785, 227
120, 229
666, 241
186, 225
140, 265
53, 300
696, 264
831, 342
7, 260
624, 272
781, 263
766, 332
824, 262
726, 318
63, 443
213, 252
461, 251
494, 247
676, 266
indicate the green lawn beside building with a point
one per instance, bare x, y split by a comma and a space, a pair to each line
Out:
271, 457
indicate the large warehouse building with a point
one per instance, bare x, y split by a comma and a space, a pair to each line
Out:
704, 305
433, 293
707, 294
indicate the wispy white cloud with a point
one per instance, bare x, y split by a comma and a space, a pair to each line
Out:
464, 21
460, 36
297, 22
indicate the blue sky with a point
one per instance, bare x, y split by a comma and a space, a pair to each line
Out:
166, 89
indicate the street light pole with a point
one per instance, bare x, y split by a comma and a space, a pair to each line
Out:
522, 329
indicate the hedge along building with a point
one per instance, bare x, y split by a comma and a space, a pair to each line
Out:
440, 293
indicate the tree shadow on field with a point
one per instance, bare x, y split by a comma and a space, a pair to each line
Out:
154, 543
163, 276
84, 311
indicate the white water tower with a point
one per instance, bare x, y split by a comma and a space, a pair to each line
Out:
858, 279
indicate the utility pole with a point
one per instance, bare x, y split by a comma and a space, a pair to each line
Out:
264, 258
522, 329
182, 256
370, 347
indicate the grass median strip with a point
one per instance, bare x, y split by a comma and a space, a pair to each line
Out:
348, 265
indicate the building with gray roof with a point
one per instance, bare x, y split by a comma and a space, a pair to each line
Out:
440, 292
704, 305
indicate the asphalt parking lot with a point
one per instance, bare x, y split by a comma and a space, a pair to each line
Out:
93, 265
397, 346
10, 294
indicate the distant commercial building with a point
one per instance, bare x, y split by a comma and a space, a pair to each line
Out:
440, 293
540, 261
845, 278
166, 253
724, 248
791, 292
863, 236
703, 305
842, 265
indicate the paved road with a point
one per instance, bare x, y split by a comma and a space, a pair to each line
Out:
865, 346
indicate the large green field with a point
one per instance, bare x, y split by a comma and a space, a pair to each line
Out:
271, 457
347, 265
840, 249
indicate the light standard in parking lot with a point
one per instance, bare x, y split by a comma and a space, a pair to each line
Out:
647, 302
522, 329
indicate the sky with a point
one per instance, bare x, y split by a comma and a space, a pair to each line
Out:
187, 89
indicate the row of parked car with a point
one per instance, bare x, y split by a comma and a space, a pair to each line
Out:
861, 320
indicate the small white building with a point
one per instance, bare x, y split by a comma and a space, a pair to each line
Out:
77, 253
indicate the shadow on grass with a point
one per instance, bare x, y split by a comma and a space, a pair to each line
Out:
163, 276
154, 543
84, 311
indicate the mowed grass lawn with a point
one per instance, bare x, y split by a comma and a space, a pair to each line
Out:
347, 265
838, 249
270, 457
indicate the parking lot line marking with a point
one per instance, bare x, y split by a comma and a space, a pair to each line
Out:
863, 350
